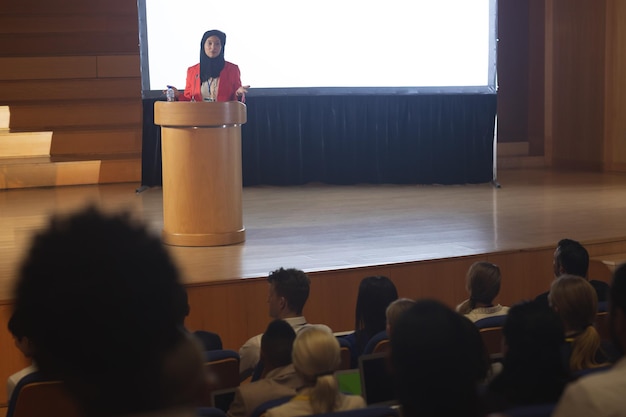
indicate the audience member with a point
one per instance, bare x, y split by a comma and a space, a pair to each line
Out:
438, 358
287, 294
575, 300
570, 257
483, 285
395, 310
99, 298
533, 371
280, 380
602, 394
375, 295
23, 343
316, 357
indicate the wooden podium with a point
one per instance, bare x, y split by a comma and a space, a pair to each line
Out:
201, 147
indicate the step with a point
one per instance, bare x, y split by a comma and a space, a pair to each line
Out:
5, 117
77, 170
24, 144
516, 162
512, 149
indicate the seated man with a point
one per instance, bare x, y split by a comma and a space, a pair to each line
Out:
602, 393
570, 257
22, 342
288, 292
100, 299
280, 378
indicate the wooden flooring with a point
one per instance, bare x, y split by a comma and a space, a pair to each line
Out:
319, 227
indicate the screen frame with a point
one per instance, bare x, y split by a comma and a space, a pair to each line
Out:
491, 88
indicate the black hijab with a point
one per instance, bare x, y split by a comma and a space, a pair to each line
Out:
211, 67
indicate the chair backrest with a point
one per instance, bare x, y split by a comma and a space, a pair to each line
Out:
602, 325
209, 412
371, 411
35, 395
261, 409
537, 410
492, 321
209, 340
345, 354
222, 367
588, 371
378, 343
492, 338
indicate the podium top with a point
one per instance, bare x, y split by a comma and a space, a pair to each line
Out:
197, 114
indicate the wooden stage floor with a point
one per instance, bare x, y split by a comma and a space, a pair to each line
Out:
320, 227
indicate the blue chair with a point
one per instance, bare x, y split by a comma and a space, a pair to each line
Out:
537, 410
36, 395
377, 344
493, 321
371, 411
209, 412
603, 306
345, 352
584, 372
209, 340
257, 373
222, 367
261, 409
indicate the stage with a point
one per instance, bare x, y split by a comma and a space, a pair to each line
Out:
318, 227
423, 237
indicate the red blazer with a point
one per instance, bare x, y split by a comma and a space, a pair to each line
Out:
230, 81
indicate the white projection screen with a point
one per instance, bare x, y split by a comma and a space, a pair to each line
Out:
327, 46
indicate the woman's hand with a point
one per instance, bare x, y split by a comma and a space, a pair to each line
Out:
242, 90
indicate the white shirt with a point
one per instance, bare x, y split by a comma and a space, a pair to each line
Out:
598, 395
250, 352
484, 312
16, 377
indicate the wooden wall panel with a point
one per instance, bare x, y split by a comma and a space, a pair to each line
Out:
47, 68
72, 67
67, 23
75, 89
513, 70
50, 115
61, 7
578, 83
113, 141
615, 142
44, 44
120, 66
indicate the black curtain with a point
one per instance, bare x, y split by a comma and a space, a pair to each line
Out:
400, 139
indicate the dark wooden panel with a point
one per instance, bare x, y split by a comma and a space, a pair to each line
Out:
32, 68
51, 44
42, 90
68, 6
70, 23
51, 115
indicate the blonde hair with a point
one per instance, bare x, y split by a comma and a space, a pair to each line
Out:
316, 357
576, 302
483, 283
396, 309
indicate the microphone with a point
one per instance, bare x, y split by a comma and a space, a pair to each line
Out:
193, 92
